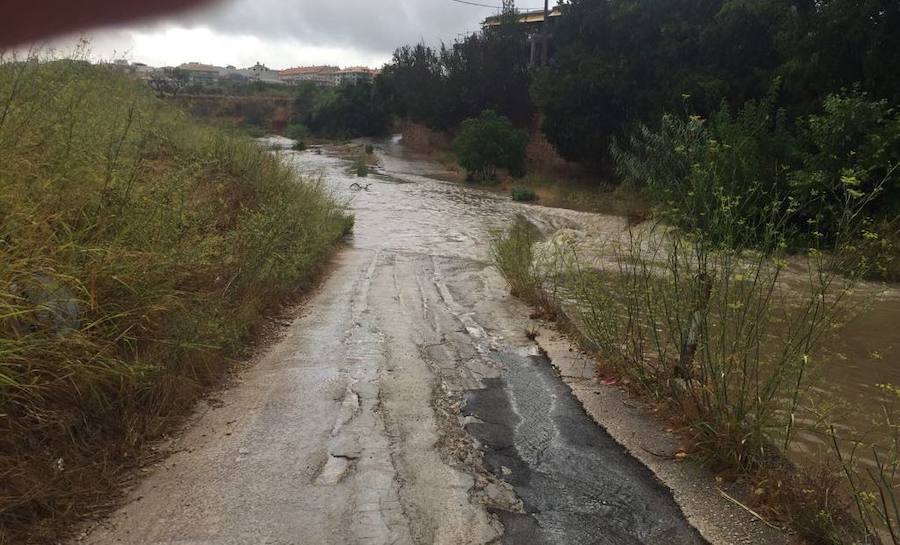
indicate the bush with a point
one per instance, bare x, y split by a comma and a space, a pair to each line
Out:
513, 254
523, 194
171, 241
489, 142
848, 151
751, 166
700, 172
715, 333
348, 111
297, 131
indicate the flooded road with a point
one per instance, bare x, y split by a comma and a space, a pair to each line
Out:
404, 406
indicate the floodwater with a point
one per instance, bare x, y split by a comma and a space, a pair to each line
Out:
848, 382
404, 405
575, 483
409, 207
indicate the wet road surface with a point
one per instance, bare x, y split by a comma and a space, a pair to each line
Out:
404, 406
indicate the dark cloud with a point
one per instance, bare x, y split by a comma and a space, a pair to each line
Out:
369, 26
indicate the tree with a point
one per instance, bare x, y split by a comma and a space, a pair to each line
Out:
488, 71
348, 111
489, 142
621, 63
846, 43
411, 85
441, 88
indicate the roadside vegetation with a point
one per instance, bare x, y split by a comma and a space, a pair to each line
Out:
717, 307
139, 254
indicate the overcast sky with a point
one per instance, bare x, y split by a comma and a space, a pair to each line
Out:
285, 33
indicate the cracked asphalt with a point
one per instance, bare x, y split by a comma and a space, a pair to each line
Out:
404, 405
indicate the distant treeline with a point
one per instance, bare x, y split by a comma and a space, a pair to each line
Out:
618, 63
792, 99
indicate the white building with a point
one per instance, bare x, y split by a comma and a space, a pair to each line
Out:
326, 76
201, 74
355, 75
262, 73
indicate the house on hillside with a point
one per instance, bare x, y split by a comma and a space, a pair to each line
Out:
200, 74
355, 75
143, 71
262, 73
324, 76
233, 75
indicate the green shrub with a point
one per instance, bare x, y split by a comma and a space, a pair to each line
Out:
701, 172
361, 166
713, 331
513, 254
848, 152
297, 131
348, 111
489, 142
253, 131
524, 194
172, 240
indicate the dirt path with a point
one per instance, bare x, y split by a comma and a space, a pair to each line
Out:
405, 406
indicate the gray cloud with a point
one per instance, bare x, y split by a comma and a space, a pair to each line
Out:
369, 26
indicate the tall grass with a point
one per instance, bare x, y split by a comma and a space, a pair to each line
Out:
138, 252
720, 322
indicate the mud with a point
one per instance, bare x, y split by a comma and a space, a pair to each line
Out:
406, 405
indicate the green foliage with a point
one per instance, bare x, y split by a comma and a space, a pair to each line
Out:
513, 253
725, 337
348, 111
705, 172
849, 150
487, 71
412, 85
625, 62
488, 142
174, 242
297, 131
523, 194
750, 165
841, 43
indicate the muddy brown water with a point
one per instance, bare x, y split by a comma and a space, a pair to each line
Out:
846, 385
431, 215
